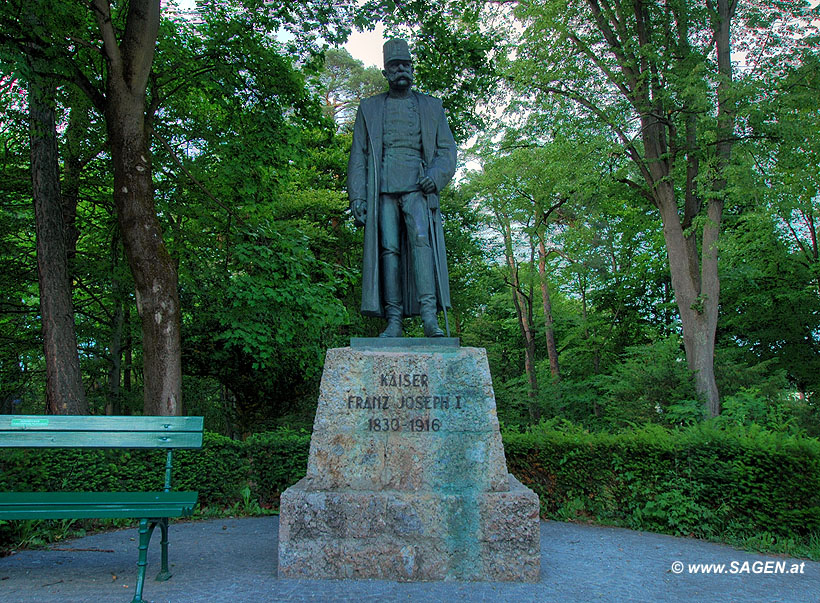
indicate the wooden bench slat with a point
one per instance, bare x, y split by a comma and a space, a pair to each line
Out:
91, 439
65, 505
66, 431
99, 423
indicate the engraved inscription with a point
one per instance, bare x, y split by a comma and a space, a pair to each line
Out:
409, 395
394, 424
427, 402
368, 402
403, 380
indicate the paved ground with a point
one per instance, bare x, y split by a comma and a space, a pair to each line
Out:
235, 560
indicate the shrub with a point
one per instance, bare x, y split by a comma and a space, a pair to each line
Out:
278, 459
716, 480
701, 480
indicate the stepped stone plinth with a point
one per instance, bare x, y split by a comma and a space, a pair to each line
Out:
406, 477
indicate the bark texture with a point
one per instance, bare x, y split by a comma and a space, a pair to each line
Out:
546, 301
64, 387
154, 271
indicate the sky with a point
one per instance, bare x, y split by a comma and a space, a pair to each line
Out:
365, 46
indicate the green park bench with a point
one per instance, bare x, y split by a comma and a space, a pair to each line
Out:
151, 508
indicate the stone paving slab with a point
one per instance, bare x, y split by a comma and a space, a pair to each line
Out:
235, 560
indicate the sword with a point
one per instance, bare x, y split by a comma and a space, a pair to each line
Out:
436, 268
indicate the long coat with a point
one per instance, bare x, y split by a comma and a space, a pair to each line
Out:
439, 163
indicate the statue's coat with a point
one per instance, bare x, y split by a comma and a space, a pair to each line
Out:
439, 161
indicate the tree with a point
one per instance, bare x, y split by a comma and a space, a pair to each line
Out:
499, 199
21, 348
64, 385
57, 34
468, 259
785, 155
53, 219
345, 81
770, 311
129, 55
112, 63
253, 185
647, 63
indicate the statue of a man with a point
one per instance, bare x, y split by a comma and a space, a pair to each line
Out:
403, 154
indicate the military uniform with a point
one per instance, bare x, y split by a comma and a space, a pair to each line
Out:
398, 141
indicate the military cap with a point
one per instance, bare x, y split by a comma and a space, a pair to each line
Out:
396, 50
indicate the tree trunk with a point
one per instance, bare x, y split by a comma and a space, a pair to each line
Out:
811, 226
114, 395
693, 267
154, 271
552, 350
127, 348
64, 387
521, 306
112, 405
694, 277
696, 293
73, 162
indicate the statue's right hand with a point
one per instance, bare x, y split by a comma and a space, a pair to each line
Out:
359, 210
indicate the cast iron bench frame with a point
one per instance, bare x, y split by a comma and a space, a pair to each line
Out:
151, 508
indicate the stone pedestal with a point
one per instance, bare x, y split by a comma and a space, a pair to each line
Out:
406, 477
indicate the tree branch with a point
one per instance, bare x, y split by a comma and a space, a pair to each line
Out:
139, 42
642, 190
626, 140
102, 12
615, 45
193, 178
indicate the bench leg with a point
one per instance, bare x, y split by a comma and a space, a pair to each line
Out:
145, 532
164, 573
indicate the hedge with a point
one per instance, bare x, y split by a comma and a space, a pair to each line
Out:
268, 463
703, 480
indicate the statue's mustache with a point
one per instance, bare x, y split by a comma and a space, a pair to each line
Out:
397, 76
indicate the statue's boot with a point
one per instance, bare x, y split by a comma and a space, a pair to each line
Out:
425, 288
392, 295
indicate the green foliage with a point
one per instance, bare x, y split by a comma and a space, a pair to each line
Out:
344, 82
649, 383
575, 400
278, 460
218, 471
770, 302
644, 385
709, 480
714, 480
244, 163
270, 462
263, 327
250, 174
231, 477
20, 343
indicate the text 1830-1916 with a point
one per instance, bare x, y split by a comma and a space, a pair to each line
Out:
417, 424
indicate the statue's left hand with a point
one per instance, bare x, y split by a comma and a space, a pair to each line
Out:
427, 185
359, 210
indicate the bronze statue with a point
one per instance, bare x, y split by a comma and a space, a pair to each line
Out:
403, 154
